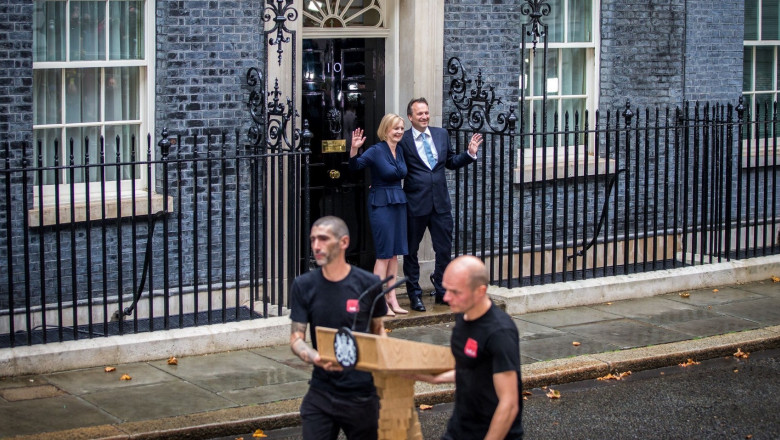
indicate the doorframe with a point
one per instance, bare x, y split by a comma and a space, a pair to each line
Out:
403, 57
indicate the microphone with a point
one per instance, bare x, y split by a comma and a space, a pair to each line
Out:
378, 297
370, 289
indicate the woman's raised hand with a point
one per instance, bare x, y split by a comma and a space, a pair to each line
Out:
357, 139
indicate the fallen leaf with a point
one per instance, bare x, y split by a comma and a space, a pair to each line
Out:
775, 279
526, 393
685, 294
173, 361
239, 438
749, 436
575, 343
424, 407
715, 290
109, 369
387, 330
617, 376
609, 303
741, 354
525, 397
736, 370
689, 362
554, 394
259, 433
125, 377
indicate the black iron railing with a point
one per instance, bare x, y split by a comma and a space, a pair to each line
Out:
629, 191
189, 238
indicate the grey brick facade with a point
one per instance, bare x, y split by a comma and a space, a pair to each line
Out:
657, 53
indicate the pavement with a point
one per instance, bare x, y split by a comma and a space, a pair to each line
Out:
239, 391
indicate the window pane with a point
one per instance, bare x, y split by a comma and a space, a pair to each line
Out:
80, 136
49, 31
122, 85
553, 82
769, 11
127, 135
87, 31
580, 21
762, 111
764, 64
46, 138
751, 19
47, 89
82, 95
575, 109
555, 22
525, 79
573, 71
126, 30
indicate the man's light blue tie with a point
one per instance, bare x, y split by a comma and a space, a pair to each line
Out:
428, 150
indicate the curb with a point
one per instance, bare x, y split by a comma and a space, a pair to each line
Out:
282, 414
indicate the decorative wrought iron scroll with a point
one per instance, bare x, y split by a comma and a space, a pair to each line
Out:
476, 105
256, 104
536, 9
280, 13
272, 116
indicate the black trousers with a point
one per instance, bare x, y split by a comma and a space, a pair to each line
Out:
440, 226
324, 414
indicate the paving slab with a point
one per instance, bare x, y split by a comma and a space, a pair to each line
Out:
765, 287
90, 380
267, 394
718, 325
236, 370
560, 347
626, 333
529, 331
709, 297
429, 334
570, 316
764, 311
49, 415
156, 401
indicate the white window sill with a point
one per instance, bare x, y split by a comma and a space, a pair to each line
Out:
567, 167
756, 158
96, 209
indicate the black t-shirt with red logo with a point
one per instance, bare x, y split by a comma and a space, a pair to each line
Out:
322, 303
483, 347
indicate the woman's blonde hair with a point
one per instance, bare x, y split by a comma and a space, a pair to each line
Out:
387, 121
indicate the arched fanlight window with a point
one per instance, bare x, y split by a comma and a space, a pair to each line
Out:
344, 13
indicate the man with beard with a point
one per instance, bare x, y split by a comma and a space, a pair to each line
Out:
328, 297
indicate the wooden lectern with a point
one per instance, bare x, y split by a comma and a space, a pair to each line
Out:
386, 358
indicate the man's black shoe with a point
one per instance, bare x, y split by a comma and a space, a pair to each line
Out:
417, 304
440, 301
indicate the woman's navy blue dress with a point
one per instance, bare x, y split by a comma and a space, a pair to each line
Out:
386, 198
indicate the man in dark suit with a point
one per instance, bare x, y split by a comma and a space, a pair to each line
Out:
428, 152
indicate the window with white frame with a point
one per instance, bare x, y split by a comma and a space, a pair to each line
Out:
760, 80
91, 69
570, 78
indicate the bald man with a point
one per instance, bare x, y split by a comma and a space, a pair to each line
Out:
486, 347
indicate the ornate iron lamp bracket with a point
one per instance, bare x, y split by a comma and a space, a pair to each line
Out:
279, 13
475, 104
535, 9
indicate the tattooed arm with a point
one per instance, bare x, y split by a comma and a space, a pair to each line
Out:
304, 351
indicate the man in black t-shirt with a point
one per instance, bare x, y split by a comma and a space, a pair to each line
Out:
328, 297
486, 347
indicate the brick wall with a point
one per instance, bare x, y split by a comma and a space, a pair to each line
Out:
714, 50
204, 49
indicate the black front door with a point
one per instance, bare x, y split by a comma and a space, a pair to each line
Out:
343, 88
